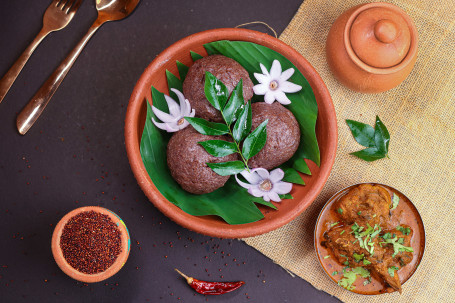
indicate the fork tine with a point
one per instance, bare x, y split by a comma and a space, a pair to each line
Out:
75, 6
62, 4
68, 5
56, 2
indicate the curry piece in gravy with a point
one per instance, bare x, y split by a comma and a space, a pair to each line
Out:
364, 204
363, 237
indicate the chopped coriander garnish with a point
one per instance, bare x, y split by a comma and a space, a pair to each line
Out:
340, 211
355, 227
405, 230
391, 270
357, 257
366, 262
342, 232
349, 277
334, 273
345, 268
346, 262
397, 247
359, 213
401, 240
366, 282
387, 236
395, 201
333, 224
374, 216
326, 257
344, 256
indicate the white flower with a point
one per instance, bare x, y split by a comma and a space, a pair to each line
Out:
274, 85
175, 120
264, 184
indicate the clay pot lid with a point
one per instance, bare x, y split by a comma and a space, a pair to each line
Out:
381, 35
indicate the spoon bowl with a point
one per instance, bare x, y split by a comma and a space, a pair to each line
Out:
112, 10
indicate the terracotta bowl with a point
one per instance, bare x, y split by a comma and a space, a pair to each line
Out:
77, 275
326, 130
376, 287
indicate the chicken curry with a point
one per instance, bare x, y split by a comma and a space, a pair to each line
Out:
370, 237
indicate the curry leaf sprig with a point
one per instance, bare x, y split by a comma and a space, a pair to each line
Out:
376, 140
237, 119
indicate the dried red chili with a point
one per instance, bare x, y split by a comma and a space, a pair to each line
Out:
211, 288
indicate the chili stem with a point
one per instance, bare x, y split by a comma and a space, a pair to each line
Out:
188, 279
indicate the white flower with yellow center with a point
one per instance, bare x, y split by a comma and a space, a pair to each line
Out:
175, 120
274, 85
264, 184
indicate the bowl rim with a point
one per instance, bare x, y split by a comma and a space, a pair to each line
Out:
71, 271
132, 137
319, 257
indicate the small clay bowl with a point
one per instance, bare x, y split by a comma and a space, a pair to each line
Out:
376, 287
72, 272
326, 132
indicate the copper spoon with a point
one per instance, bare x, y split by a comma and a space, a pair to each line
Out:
108, 10
56, 17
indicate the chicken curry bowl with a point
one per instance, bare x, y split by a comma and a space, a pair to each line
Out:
370, 238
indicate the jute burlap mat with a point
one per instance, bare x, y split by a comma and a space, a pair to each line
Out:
420, 116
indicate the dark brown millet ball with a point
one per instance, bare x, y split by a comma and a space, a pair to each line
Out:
227, 71
283, 134
187, 160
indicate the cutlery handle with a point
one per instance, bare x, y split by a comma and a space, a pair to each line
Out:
31, 112
11, 75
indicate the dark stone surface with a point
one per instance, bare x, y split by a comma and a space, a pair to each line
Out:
75, 156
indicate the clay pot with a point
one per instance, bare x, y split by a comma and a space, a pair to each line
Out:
72, 272
326, 132
372, 47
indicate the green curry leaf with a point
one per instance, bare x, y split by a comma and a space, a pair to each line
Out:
227, 168
243, 124
215, 91
219, 148
255, 141
363, 133
208, 128
234, 104
376, 140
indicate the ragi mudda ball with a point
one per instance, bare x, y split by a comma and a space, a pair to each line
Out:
187, 160
283, 134
227, 71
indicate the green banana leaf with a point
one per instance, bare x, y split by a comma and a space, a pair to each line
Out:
231, 202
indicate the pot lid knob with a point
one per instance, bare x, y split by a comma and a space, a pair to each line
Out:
385, 31
380, 37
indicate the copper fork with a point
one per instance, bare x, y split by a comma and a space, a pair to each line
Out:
56, 17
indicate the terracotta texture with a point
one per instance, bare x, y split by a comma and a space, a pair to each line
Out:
90, 278
326, 131
372, 47
410, 217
